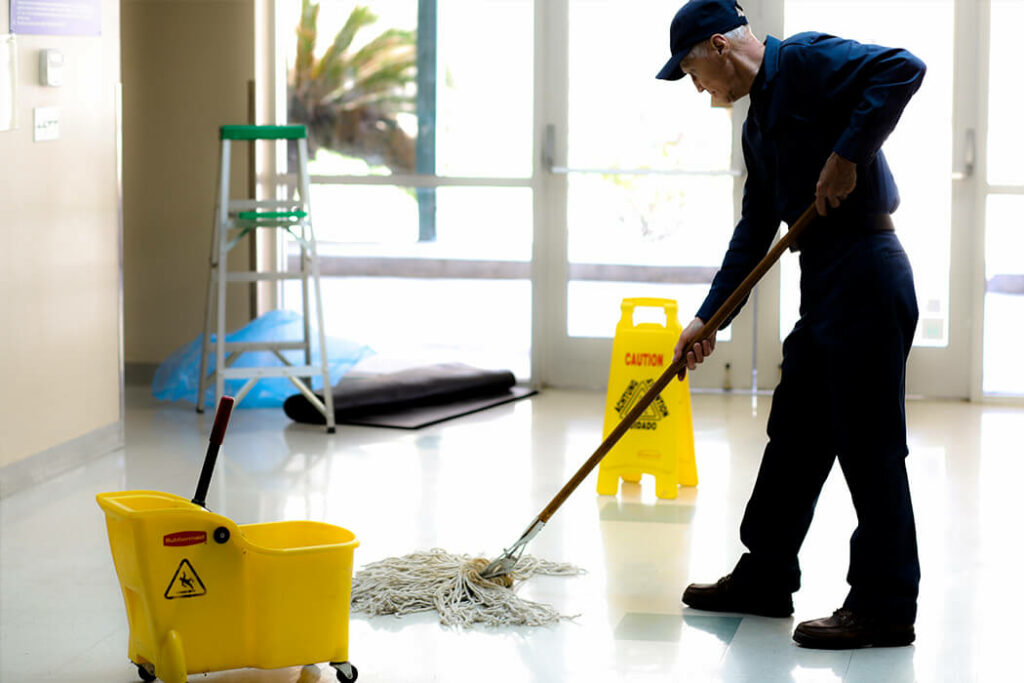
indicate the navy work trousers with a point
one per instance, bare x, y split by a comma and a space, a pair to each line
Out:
841, 396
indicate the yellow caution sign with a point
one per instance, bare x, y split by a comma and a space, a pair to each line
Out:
660, 442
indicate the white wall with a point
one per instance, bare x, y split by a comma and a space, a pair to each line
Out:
186, 65
59, 248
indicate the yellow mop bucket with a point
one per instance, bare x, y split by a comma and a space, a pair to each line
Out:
660, 442
205, 594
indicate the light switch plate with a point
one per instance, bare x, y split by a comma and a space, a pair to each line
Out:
46, 123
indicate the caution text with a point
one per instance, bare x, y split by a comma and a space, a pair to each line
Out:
645, 359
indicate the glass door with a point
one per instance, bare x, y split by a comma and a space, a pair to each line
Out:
644, 175
647, 180
934, 215
1002, 183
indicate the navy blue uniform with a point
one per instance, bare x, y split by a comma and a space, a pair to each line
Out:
843, 374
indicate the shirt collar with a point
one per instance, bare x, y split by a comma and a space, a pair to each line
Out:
771, 58
768, 70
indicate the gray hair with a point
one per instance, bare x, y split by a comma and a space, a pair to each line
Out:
703, 48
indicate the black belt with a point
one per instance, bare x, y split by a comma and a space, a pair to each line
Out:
881, 222
849, 225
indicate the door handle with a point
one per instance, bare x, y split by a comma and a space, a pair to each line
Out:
970, 150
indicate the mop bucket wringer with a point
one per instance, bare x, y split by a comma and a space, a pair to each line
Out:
203, 593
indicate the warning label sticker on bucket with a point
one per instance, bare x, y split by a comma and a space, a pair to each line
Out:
654, 412
186, 583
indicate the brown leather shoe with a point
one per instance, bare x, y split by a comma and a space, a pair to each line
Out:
845, 630
727, 596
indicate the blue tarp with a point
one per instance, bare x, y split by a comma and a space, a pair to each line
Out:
177, 378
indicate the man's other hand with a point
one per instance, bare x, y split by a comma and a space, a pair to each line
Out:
836, 182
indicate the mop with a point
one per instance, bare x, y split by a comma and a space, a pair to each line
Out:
451, 584
466, 590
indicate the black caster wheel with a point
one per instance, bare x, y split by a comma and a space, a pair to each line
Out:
145, 673
346, 671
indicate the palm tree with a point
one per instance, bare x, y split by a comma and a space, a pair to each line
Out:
350, 100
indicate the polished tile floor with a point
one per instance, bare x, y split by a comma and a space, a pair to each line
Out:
473, 484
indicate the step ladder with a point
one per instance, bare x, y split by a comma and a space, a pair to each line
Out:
233, 220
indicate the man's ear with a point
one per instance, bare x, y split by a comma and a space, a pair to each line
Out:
720, 44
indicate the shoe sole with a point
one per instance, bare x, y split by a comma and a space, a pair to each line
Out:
735, 609
825, 643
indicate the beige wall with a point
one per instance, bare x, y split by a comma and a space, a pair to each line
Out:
186, 67
59, 251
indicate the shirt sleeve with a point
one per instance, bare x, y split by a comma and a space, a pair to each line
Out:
750, 240
883, 79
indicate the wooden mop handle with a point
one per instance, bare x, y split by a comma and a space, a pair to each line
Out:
741, 293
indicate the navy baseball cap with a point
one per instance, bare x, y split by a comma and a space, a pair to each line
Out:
695, 22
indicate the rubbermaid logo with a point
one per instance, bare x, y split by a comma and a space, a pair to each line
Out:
180, 538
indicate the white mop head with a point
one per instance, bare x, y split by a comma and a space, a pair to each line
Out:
452, 585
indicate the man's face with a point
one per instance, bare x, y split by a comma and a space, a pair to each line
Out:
715, 74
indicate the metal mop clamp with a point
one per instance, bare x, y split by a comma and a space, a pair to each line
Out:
506, 562
220, 425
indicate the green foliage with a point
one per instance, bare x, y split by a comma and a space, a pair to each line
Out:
350, 99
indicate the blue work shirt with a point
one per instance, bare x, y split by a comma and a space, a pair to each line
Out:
813, 95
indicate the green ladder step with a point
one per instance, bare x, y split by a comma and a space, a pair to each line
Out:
270, 215
289, 132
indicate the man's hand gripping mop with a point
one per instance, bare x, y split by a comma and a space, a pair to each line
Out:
464, 590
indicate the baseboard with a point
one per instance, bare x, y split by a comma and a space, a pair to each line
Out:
47, 464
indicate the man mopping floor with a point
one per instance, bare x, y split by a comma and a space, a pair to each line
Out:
820, 109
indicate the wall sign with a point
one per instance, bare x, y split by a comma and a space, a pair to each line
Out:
56, 17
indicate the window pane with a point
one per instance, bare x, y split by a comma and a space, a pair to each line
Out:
622, 117
484, 89
920, 149
463, 297
368, 111
430, 320
1004, 297
1005, 98
649, 220
487, 223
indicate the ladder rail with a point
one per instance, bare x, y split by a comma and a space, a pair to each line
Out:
294, 216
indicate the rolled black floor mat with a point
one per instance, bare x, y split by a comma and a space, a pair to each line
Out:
358, 397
